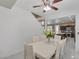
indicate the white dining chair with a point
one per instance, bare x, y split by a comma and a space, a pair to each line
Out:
29, 52
25, 43
24, 50
57, 38
43, 37
35, 39
60, 47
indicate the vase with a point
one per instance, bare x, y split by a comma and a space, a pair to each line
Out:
48, 40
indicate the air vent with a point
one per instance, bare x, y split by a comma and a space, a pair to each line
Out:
7, 3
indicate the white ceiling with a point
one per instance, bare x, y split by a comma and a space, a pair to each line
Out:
65, 5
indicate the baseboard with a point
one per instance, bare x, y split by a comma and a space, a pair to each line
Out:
12, 54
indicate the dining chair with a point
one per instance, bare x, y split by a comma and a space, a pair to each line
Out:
29, 52
57, 38
43, 37
25, 43
24, 51
63, 43
60, 47
35, 39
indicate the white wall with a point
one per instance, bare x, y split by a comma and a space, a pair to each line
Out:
77, 35
16, 27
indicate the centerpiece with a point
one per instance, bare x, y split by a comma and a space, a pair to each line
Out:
49, 33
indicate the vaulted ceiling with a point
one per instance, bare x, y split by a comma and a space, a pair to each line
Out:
7, 3
65, 5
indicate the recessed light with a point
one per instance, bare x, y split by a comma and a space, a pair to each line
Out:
72, 56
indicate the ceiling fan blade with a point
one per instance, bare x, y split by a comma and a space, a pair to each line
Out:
45, 2
36, 6
56, 1
35, 15
55, 8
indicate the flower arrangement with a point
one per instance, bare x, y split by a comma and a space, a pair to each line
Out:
49, 33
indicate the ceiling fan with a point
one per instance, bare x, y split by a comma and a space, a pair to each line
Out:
47, 6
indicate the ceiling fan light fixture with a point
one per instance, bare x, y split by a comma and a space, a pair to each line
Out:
46, 8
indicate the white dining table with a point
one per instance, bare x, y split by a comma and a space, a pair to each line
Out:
44, 49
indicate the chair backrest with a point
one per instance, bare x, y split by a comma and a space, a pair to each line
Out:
24, 51
62, 43
29, 52
35, 38
43, 37
60, 46
57, 38
25, 43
